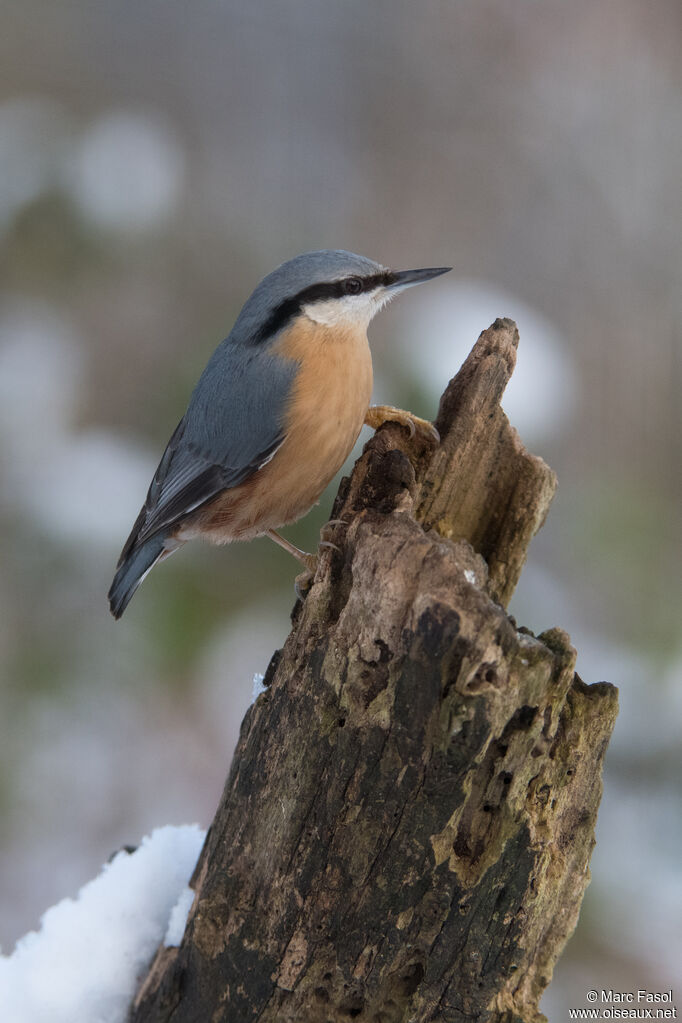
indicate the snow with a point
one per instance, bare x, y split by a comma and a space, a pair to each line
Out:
178, 917
84, 963
258, 686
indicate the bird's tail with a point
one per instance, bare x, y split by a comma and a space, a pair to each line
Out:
132, 570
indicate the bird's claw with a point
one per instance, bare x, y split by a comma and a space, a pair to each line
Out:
377, 415
302, 583
417, 425
304, 580
330, 525
422, 426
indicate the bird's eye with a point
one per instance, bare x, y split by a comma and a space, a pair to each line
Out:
352, 286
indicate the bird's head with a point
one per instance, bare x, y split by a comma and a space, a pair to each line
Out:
329, 287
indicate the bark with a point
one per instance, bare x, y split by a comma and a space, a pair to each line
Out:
406, 827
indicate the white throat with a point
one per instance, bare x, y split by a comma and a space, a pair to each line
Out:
350, 310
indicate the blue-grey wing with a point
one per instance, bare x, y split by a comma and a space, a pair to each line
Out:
234, 423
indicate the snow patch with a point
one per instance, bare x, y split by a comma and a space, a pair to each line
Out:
84, 963
178, 917
258, 686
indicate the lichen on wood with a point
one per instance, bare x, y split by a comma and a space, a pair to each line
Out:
406, 827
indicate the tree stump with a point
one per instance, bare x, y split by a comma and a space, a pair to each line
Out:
406, 827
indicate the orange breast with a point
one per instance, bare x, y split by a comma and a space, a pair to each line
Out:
330, 398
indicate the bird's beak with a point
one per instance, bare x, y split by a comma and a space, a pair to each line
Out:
400, 279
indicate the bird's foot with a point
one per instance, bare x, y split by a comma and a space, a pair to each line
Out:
304, 580
329, 528
302, 583
335, 522
309, 560
377, 415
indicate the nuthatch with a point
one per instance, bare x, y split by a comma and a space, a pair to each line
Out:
274, 416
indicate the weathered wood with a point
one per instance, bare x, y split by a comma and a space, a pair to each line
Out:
482, 485
405, 831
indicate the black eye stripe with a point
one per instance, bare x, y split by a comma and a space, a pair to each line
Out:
337, 289
291, 307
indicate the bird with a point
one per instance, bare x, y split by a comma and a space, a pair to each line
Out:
274, 415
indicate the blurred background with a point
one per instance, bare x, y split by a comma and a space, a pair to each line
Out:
156, 160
